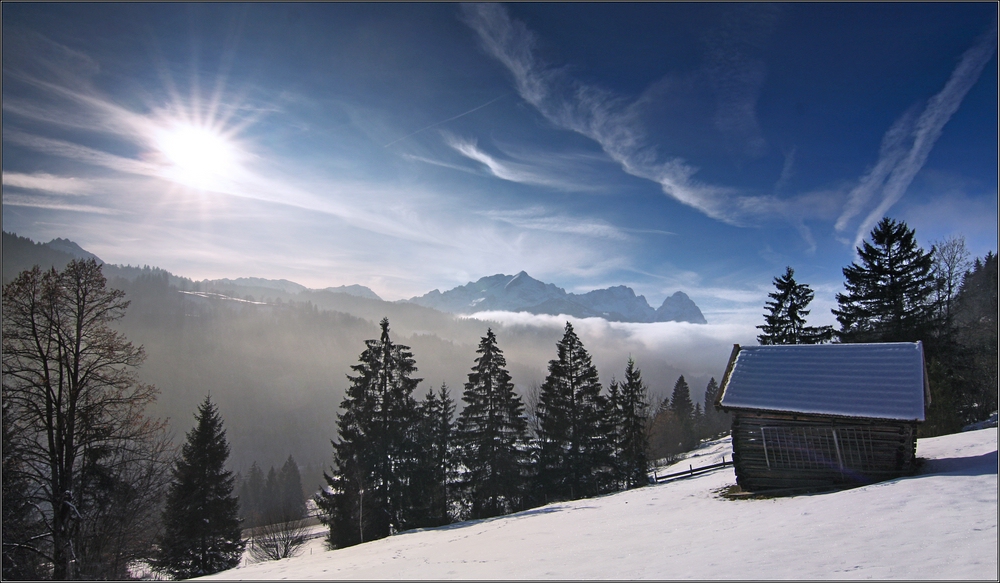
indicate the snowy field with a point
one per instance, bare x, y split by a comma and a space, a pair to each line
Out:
940, 524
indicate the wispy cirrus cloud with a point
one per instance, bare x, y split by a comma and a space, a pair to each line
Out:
537, 218
908, 142
52, 203
80, 153
501, 169
46, 182
614, 123
517, 169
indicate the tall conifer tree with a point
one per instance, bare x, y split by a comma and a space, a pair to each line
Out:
683, 410
432, 479
492, 434
369, 493
574, 444
630, 418
201, 518
785, 320
291, 499
252, 496
890, 294
715, 421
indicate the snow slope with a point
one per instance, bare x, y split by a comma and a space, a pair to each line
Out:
941, 524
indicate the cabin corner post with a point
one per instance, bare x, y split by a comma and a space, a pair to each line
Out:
725, 376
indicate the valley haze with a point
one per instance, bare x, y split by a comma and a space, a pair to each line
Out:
262, 353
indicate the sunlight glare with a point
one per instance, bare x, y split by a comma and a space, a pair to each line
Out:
198, 156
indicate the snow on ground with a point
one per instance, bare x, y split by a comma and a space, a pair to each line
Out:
940, 524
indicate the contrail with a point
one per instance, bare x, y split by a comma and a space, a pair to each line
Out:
445, 121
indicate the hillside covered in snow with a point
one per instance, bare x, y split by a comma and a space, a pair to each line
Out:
939, 524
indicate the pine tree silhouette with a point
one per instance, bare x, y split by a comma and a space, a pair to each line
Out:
575, 453
201, 522
785, 321
890, 294
492, 435
369, 495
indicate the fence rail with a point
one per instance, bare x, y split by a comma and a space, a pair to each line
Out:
691, 471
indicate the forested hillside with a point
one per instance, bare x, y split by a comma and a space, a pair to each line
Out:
276, 362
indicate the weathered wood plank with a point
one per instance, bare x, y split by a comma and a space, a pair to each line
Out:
815, 451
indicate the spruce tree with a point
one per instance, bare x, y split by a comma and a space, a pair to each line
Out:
683, 410
201, 517
290, 496
785, 320
492, 436
716, 422
970, 362
251, 496
574, 453
614, 421
890, 294
369, 495
633, 440
432, 478
271, 497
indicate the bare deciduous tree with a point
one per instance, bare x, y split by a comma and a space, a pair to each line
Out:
951, 261
278, 540
95, 463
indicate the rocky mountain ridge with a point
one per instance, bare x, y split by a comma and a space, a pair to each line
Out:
511, 293
523, 293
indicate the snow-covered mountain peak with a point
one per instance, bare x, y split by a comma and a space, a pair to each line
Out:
523, 293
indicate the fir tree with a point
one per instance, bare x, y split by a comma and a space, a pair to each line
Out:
433, 475
251, 496
963, 372
680, 399
369, 492
290, 497
683, 410
715, 421
271, 497
785, 320
631, 421
615, 422
492, 435
574, 444
890, 294
711, 394
201, 518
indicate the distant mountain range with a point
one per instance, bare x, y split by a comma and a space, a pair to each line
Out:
523, 293
511, 293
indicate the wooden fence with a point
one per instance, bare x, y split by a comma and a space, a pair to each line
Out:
691, 471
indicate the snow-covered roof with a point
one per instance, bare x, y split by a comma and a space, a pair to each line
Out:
879, 381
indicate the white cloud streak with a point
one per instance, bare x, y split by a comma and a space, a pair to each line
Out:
538, 219
512, 171
613, 122
46, 182
57, 205
909, 141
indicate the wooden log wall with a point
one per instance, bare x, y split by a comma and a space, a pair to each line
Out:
776, 450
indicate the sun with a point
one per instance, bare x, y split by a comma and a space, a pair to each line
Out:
196, 156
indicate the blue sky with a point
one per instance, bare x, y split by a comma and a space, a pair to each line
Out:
407, 147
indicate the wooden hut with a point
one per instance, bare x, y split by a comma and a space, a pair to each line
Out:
824, 415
